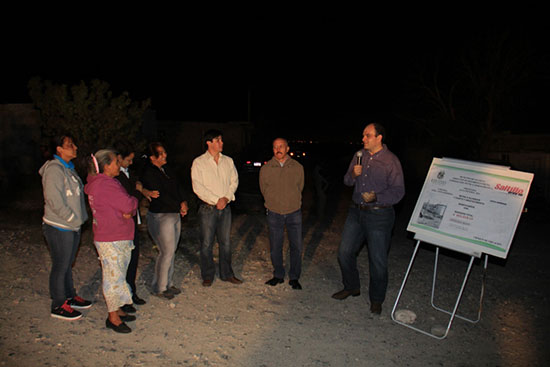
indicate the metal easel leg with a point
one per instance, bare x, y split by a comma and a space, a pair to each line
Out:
453, 313
404, 282
465, 279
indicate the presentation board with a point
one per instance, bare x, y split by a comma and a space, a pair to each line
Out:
470, 207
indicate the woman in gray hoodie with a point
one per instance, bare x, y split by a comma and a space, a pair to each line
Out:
64, 213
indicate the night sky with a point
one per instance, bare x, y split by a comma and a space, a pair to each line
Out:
298, 71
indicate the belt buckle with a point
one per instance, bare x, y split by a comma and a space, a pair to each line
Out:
370, 207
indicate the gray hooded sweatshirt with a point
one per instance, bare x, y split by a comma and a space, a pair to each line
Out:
64, 204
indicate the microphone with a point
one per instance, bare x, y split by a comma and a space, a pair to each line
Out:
359, 157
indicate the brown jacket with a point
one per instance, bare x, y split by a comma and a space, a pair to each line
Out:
282, 186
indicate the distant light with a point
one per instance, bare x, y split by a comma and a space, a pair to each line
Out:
248, 162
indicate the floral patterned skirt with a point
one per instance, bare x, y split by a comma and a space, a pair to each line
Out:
114, 257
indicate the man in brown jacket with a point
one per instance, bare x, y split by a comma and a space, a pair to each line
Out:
281, 183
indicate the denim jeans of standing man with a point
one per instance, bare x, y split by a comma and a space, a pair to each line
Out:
375, 227
276, 223
63, 248
165, 229
215, 224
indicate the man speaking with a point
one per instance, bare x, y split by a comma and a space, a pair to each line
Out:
377, 178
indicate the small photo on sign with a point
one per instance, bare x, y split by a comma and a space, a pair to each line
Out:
431, 214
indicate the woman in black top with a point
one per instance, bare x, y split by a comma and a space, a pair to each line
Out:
163, 218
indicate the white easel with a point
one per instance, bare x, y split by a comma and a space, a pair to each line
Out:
456, 192
452, 313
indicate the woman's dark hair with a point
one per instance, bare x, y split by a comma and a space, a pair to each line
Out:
103, 157
153, 148
210, 135
57, 141
124, 148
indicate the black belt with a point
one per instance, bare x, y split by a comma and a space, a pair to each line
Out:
211, 206
370, 207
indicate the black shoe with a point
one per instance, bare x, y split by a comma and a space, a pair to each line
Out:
295, 284
166, 295
137, 300
122, 328
207, 283
376, 308
127, 318
343, 294
65, 312
174, 290
274, 281
128, 309
79, 303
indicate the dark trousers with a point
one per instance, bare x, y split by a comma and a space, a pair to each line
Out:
375, 227
293, 223
63, 247
132, 266
215, 224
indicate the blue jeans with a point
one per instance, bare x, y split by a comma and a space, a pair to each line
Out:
374, 226
215, 224
276, 223
63, 248
165, 230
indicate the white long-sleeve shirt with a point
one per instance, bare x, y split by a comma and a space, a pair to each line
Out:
212, 181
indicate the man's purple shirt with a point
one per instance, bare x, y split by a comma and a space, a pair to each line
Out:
382, 173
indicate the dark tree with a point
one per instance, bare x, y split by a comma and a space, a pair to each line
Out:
90, 113
462, 95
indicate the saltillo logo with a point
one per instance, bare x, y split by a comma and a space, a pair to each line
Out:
509, 189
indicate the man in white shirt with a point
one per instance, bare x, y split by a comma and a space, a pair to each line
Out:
215, 180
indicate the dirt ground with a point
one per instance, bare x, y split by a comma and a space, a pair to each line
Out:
257, 325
